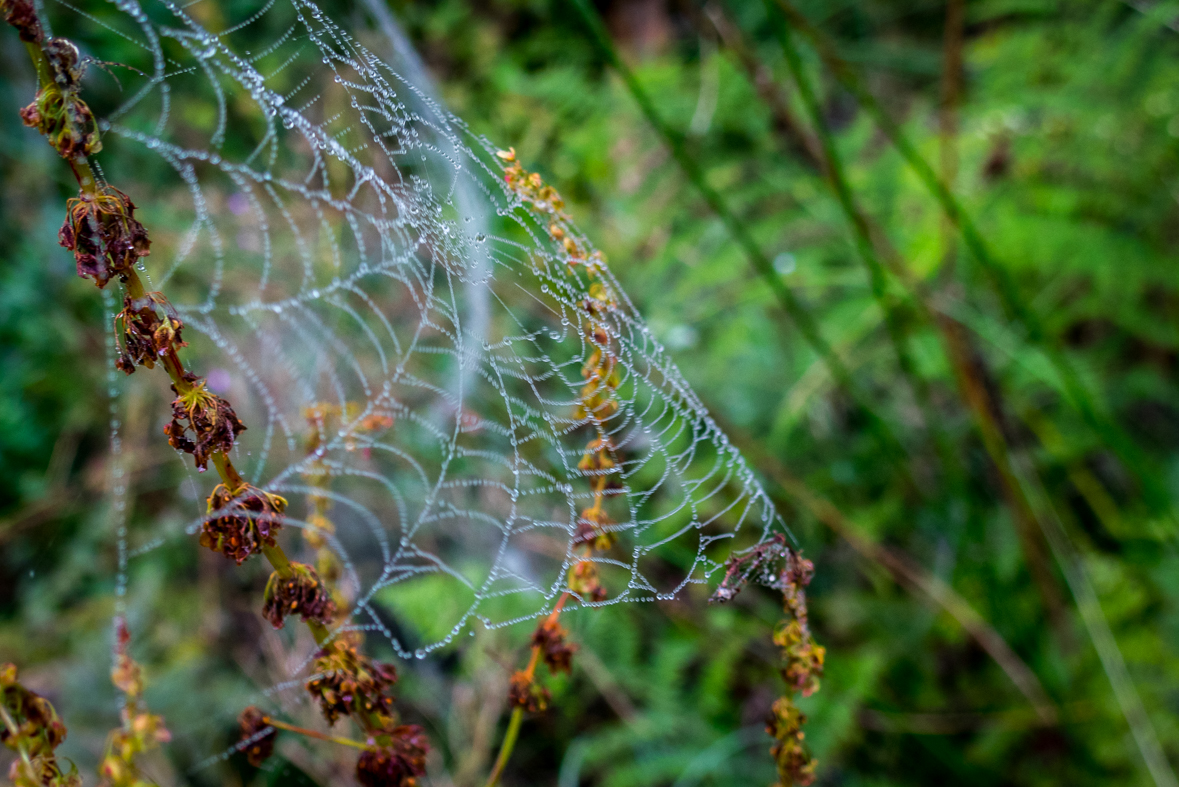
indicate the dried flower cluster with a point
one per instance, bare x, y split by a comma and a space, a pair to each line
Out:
347, 682
22, 15
399, 762
524, 692
31, 727
209, 419
56, 112
140, 732
257, 735
146, 330
299, 593
550, 638
802, 667
241, 522
104, 235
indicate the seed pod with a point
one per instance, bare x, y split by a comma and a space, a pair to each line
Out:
22, 15
301, 593
584, 581
593, 529
146, 329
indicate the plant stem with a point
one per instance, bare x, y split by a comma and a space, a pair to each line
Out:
88, 183
972, 388
282, 725
509, 744
14, 731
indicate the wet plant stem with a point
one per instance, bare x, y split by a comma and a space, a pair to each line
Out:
282, 725
14, 731
88, 183
517, 718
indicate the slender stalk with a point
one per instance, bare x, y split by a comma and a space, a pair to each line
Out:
88, 183
795, 310
282, 725
1077, 392
508, 745
951, 94
517, 718
14, 731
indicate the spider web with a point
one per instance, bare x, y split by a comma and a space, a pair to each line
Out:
333, 238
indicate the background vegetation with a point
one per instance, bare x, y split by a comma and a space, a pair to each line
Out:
955, 453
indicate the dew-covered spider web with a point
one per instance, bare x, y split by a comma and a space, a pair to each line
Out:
410, 339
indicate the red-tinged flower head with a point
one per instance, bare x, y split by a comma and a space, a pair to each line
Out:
241, 522
257, 735
550, 638
397, 765
301, 593
104, 235
347, 682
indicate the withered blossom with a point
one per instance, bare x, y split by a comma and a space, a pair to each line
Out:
22, 15
550, 638
241, 522
37, 731
38, 728
398, 764
347, 682
57, 112
257, 735
524, 692
301, 593
143, 334
104, 235
213, 424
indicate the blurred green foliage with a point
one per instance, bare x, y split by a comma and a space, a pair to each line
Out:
1068, 150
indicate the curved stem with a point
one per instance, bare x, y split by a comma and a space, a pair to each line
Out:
506, 750
282, 725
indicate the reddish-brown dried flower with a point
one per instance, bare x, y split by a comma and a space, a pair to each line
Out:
38, 729
300, 593
524, 692
22, 15
145, 333
347, 681
210, 419
102, 232
550, 638
257, 735
241, 522
398, 764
